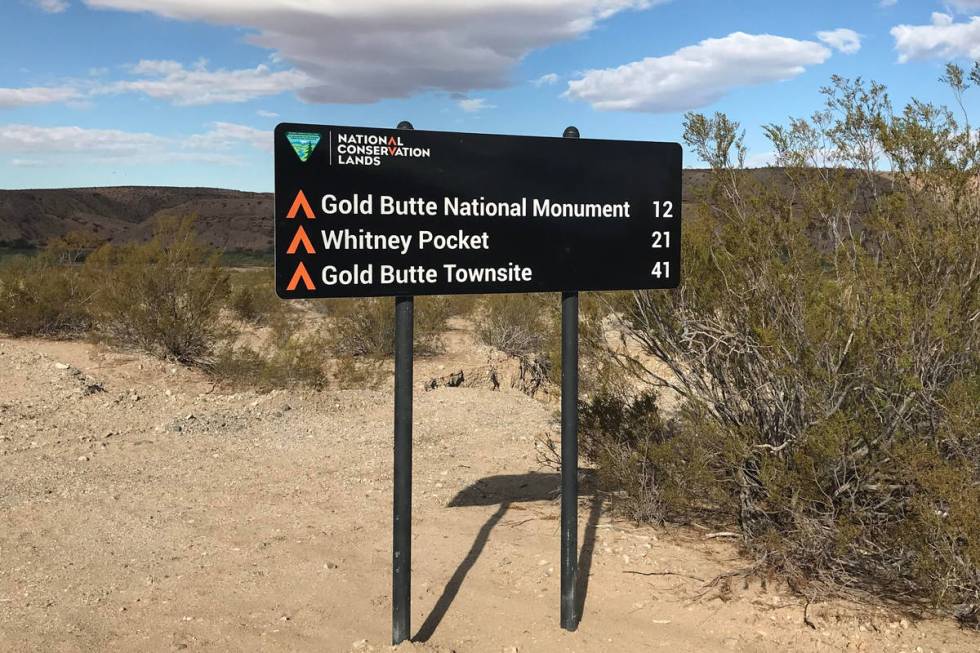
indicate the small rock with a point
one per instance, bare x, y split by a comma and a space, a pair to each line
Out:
61, 366
904, 623
83, 459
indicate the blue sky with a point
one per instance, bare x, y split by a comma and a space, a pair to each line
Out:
186, 92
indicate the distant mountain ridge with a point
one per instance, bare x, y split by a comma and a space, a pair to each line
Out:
228, 219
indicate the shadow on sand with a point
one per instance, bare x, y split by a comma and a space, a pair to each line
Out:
502, 491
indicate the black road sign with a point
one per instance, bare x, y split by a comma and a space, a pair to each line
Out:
369, 212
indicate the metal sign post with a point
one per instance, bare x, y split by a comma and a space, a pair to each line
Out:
569, 452
401, 564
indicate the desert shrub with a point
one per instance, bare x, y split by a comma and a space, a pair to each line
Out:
518, 325
825, 347
73, 247
41, 297
253, 299
366, 327
528, 326
163, 296
287, 358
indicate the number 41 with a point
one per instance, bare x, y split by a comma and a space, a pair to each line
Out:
661, 270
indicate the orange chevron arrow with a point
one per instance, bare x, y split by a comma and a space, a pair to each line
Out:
300, 239
300, 275
300, 203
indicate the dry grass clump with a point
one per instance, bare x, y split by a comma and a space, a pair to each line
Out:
826, 347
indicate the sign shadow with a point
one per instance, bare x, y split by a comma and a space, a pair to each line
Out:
504, 490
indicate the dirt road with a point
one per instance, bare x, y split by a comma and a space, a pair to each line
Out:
141, 509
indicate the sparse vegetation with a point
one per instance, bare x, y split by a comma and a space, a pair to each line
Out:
826, 351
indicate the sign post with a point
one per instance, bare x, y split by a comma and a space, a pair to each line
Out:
401, 564
569, 452
363, 212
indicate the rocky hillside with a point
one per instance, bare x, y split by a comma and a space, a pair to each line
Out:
231, 220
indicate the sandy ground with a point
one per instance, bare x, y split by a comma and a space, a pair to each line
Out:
141, 509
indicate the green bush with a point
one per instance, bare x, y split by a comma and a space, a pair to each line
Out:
40, 297
164, 296
826, 349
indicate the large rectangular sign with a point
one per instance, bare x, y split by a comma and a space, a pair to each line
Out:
369, 212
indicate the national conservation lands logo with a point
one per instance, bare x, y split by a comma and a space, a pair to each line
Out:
304, 143
356, 149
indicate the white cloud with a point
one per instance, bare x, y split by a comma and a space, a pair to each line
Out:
79, 145
52, 6
546, 80
267, 114
887, 3
35, 140
943, 39
697, 75
964, 6
367, 50
12, 98
27, 163
172, 82
843, 40
224, 135
473, 105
